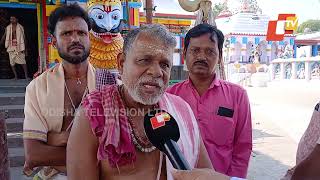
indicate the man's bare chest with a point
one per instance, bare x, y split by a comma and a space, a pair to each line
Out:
72, 100
14, 32
147, 166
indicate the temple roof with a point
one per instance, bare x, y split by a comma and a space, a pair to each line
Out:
225, 13
308, 39
309, 36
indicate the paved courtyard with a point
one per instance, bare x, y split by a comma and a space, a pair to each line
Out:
281, 113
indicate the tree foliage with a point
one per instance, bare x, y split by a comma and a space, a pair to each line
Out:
218, 8
313, 25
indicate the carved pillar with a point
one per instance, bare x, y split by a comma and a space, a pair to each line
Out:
308, 71
282, 70
272, 69
294, 70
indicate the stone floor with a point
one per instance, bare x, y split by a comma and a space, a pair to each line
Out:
281, 112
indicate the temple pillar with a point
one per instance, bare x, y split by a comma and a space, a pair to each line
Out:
294, 70
282, 70
307, 71
272, 71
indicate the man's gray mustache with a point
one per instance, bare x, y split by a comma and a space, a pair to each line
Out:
158, 82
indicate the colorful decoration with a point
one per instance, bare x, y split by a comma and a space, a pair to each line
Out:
106, 40
104, 55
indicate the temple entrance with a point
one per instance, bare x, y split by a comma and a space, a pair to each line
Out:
28, 19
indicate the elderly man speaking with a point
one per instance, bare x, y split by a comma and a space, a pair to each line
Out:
108, 145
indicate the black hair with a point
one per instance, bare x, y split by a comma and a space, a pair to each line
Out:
158, 31
202, 29
14, 17
64, 11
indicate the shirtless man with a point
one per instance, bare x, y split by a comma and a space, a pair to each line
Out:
114, 146
15, 43
54, 96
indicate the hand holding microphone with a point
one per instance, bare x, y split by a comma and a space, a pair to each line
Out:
163, 132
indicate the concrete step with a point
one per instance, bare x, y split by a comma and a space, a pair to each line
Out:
11, 98
16, 152
12, 89
16, 161
14, 127
16, 174
14, 133
14, 120
13, 111
13, 152
15, 142
11, 82
15, 148
16, 157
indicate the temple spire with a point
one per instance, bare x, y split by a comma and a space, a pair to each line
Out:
250, 6
245, 6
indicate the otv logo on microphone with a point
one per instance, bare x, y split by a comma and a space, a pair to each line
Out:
159, 120
286, 24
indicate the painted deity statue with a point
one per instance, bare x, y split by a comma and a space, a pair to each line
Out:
107, 21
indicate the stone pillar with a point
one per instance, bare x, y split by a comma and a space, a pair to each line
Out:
307, 71
149, 11
294, 70
4, 160
282, 71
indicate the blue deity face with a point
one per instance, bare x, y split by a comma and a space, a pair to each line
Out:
106, 21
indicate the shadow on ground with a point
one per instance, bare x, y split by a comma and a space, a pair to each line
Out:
263, 166
258, 134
